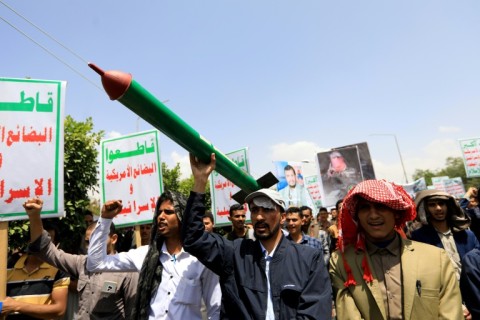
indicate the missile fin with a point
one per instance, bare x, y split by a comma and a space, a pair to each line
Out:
265, 181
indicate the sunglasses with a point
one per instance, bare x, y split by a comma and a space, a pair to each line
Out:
167, 211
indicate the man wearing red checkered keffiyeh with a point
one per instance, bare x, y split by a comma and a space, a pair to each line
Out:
378, 274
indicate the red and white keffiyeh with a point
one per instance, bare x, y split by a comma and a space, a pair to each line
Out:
379, 191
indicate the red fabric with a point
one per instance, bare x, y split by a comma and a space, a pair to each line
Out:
401, 232
379, 191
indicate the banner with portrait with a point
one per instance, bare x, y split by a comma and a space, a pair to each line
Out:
291, 184
341, 169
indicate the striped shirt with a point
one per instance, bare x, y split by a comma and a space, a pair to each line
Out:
35, 287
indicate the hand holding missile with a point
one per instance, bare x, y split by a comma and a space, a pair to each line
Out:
201, 172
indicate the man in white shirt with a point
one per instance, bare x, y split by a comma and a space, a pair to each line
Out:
172, 282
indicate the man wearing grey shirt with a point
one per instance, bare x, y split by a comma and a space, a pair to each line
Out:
101, 295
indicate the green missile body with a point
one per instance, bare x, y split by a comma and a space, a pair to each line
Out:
121, 86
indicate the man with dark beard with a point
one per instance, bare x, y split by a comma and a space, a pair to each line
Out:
269, 278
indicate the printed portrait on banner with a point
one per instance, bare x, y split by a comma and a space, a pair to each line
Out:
342, 168
291, 185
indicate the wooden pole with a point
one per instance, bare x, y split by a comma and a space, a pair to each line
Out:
138, 238
3, 259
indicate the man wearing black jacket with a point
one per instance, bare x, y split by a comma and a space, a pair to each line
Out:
269, 278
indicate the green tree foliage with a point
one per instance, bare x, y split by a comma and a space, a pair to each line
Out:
427, 174
171, 177
171, 181
80, 177
454, 167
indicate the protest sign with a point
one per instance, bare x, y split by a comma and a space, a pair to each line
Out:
438, 184
312, 183
341, 169
471, 156
131, 171
415, 186
455, 187
222, 189
31, 146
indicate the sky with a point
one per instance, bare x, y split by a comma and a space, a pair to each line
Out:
287, 79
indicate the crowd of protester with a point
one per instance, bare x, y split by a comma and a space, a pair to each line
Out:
378, 254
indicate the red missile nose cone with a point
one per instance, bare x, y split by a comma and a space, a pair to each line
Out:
115, 83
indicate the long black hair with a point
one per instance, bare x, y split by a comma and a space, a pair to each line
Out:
151, 272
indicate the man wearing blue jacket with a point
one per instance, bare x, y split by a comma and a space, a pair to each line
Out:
445, 225
269, 278
470, 282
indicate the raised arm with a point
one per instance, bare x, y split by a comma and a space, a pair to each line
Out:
465, 201
97, 249
98, 260
42, 246
33, 207
201, 171
211, 249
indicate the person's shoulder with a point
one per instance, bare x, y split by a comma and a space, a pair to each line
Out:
228, 236
244, 247
472, 258
422, 248
470, 234
61, 277
314, 240
245, 243
424, 229
349, 250
333, 226
302, 251
307, 237
142, 250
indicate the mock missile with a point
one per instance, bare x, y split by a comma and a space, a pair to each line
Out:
122, 87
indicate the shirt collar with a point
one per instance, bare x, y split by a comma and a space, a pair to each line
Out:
448, 233
264, 251
393, 247
304, 238
165, 251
